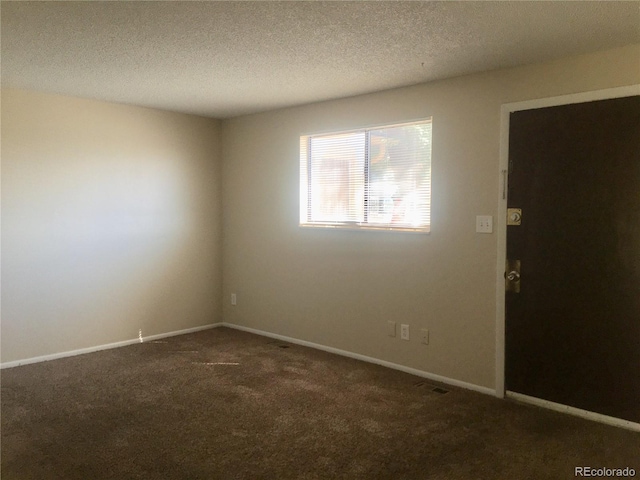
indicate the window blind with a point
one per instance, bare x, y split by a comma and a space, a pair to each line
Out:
371, 178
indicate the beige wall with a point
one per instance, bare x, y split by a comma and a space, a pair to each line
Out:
111, 220
339, 288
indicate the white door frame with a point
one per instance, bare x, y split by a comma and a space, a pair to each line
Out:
505, 111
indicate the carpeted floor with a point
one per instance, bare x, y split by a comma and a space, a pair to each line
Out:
224, 404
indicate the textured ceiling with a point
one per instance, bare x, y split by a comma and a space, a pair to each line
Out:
223, 59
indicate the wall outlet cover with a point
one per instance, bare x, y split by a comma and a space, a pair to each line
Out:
424, 336
391, 328
404, 332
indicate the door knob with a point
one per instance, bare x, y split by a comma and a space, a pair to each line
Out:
513, 276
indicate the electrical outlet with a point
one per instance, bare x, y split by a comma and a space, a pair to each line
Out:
424, 335
234, 299
404, 332
391, 328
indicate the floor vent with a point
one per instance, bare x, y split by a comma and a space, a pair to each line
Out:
439, 390
278, 344
433, 388
273, 342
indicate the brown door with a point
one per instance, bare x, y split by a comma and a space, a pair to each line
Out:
573, 330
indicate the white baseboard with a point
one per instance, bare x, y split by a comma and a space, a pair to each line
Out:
578, 412
124, 343
364, 358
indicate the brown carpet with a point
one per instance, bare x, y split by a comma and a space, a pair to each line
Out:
224, 404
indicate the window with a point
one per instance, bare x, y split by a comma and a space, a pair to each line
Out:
377, 178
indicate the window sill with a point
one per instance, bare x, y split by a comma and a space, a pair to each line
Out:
365, 228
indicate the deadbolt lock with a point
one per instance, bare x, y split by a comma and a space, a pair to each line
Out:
512, 276
514, 216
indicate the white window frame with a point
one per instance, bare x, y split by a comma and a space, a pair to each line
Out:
305, 200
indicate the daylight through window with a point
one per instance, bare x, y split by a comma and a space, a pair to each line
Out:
377, 178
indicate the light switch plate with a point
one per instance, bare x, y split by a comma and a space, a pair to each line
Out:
484, 224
